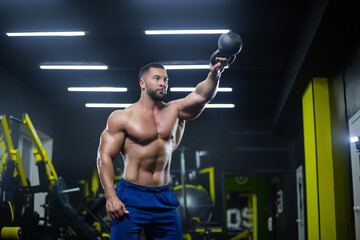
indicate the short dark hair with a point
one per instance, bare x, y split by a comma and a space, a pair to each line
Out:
146, 68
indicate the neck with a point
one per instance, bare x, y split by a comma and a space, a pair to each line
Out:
147, 103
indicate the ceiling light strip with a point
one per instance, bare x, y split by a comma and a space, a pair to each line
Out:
107, 105
97, 89
46, 34
216, 105
74, 67
187, 67
202, 31
191, 89
124, 105
183, 67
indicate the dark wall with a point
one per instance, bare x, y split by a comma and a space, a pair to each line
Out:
344, 103
351, 77
290, 126
16, 99
341, 158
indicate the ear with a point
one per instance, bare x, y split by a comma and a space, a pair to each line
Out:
142, 84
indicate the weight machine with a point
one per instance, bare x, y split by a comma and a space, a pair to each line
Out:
61, 220
13, 181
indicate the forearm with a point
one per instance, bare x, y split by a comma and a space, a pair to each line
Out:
106, 174
208, 88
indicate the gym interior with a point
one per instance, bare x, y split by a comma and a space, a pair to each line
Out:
275, 157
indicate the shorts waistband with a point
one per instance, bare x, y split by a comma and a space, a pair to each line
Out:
125, 184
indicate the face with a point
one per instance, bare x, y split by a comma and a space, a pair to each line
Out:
155, 83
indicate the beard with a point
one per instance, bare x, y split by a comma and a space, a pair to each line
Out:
154, 95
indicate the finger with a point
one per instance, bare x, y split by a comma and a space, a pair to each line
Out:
220, 59
112, 216
223, 65
212, 66
118, 213
223, 62
124, 210
216, 66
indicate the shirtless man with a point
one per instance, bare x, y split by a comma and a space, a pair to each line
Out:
146, 134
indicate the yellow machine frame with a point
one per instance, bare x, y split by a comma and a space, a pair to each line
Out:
40, 153
9, 153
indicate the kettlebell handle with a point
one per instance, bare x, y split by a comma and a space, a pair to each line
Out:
217, 53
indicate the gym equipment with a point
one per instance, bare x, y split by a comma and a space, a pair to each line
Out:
42, 159
13, 181
10, 233
60, 192
6, 212
11, 156
198, 203
7, 231
229, 45
93, 207
61, 220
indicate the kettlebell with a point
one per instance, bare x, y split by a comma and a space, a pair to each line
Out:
229, 45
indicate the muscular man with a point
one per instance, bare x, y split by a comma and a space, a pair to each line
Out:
146, 134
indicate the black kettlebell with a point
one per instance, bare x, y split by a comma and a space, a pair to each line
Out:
229, 45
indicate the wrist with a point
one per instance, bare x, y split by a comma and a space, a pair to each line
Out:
110, 194
213, 75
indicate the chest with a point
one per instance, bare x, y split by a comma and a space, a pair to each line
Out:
145, 127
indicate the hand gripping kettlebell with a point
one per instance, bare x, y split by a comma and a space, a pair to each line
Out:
229, 45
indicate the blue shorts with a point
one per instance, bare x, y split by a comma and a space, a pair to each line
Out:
150, 209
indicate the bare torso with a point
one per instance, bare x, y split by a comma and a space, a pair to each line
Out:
150, 139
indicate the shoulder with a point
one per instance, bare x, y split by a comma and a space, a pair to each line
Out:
117, 119
175, 103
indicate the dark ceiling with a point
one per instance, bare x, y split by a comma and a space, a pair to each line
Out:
270, 30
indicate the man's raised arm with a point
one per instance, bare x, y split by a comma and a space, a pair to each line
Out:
192, 105
111, 142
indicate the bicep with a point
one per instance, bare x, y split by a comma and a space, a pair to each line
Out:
191, 106
111, 143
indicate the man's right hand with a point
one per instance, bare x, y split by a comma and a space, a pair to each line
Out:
115, 208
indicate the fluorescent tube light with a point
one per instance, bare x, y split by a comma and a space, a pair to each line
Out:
190, 89
45, 34
180, 67
124, 105
97, 89
186, 67
107, 105
203, 31
75, 67
224, 105
354, 139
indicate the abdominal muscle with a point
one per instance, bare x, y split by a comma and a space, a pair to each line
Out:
147, 165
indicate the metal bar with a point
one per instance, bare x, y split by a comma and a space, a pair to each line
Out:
183, 182
71, 190
17, 119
